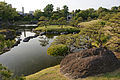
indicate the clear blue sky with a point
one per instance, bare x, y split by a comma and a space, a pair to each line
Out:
31, 5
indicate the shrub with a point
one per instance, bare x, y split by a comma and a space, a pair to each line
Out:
57, 50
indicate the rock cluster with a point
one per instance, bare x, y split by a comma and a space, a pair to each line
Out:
89, 62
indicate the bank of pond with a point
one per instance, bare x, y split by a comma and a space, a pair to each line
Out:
28, 53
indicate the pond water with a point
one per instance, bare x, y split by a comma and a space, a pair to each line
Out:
29, 57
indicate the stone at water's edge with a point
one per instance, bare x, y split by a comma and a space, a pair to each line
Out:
89, 62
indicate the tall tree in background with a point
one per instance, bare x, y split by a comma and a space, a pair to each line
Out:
48, 10
7, 13
38, 14
65, 11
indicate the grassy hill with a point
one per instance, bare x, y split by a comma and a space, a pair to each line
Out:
53, 73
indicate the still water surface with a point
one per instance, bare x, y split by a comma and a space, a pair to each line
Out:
29, 57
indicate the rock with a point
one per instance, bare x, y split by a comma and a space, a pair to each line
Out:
18, 33
26, 39
64, 33
42, 33
17, 42
89, 62
36, 35
30, 37
6, 49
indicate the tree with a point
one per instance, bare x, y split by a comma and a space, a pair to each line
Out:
5, 74
65, 11
55, 16
73, 22
58, 9
83, 14
38, 14
114, 29
7, 13
58, 50
114, 9
89, 19
101, 9
43, 21
72, 41
80, 19
62, 21
48, 10
2, 43
97, 34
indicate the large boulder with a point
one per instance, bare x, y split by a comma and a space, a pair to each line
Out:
89, 62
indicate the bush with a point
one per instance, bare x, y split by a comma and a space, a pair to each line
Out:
57, 50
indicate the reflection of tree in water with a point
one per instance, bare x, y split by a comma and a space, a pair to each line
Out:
44, 41
51, 36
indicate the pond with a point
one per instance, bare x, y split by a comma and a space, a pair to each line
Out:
29, 57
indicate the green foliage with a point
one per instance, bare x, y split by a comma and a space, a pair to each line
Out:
62, 21
7, 12
58, 50
38, 14
65, 11
9, 43
5, 74
48, 10
73, 42
96, 33
5, 43
73, 22
114, 23
43, 21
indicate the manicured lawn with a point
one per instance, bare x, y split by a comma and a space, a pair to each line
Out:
53, 73
53, 27
56, 28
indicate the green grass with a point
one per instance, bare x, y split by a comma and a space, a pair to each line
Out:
53, 73
53, 27
57, 28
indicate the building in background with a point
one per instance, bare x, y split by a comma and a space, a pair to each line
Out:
31, 12
23, 10
69, 17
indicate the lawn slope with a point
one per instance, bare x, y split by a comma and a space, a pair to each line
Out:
53, 73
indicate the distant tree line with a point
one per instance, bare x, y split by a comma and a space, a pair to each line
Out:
10, 15
59, 16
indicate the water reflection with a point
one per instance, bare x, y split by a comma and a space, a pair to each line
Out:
44, 41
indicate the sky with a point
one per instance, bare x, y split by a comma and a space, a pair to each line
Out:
31, 5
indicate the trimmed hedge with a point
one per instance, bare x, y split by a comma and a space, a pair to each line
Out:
57, 50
